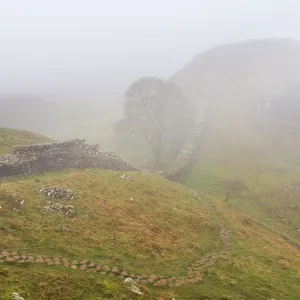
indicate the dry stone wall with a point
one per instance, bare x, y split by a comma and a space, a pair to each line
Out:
189, 153
77, 154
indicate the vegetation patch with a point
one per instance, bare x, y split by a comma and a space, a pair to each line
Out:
12, 137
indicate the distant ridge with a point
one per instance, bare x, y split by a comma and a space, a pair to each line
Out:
240, 83
262, 66
13, 137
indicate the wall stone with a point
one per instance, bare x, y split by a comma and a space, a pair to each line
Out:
189, 153
74, 154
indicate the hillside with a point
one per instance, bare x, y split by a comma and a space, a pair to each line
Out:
175, 243
252, 127
12, 137
246, 71
241, 84
78, 234
60, 120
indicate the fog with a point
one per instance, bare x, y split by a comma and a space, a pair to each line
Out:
93, 49
149, 149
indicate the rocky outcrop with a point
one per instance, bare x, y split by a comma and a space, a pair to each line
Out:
74, 154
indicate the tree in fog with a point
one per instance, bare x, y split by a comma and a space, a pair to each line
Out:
233, 187
156, 114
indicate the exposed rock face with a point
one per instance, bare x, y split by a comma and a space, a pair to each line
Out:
36, 159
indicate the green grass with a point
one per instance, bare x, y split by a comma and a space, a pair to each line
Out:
271, 198
12, 137
162, 231
36, 282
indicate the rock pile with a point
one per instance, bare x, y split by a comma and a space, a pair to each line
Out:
16, 296
55, 205
67, 210
57, 193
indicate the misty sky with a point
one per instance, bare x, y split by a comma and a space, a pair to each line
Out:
85, 48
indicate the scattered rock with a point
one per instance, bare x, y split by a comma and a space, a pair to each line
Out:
20, 261
64, 228
16, 296
10, 259
57, 193
105, 268
98, 268
56, 206
84, 262
132, 285
91, 265
16, 257
67, 210
39, 260
125, 177
115, 270
4, 253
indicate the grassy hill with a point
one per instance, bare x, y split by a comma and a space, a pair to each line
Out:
252, 128
271, 197
12, 137
242, 72
176, 242
241, 84
145, 225
61, 120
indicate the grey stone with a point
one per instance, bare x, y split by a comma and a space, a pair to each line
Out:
16, 296
74, 154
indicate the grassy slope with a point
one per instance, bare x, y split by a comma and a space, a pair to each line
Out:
163, 227
40, 282
12, 137
161, 231
272, 198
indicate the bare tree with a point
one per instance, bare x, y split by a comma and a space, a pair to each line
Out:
233, 187
157, 114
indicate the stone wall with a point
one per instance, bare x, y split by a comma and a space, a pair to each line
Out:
189, 153
36, 159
